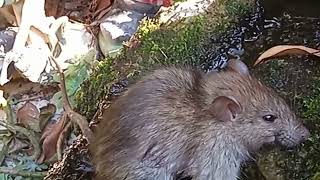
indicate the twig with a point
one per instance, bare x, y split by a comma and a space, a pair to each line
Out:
22, 173
164, 54
74, 116
61, 139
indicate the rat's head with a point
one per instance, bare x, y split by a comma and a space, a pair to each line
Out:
254, 114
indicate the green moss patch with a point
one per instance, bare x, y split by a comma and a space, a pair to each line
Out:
301, 89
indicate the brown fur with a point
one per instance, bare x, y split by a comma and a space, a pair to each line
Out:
169, 122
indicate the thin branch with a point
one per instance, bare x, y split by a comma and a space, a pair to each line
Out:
11, 171
74, 116
61, 139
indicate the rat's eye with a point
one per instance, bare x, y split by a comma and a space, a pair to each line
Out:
269, 118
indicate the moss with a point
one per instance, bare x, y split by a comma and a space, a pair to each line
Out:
235, 7
312, 102
93, 90
302, 92
307, 162
316, 176
178, 43
174, 45
304, 164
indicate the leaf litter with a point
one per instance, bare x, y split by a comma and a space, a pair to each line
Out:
32, 120
284, 50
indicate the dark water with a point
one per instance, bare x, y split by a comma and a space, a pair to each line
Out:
303, 8
273, 22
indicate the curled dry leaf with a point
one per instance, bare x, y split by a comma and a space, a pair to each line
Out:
17, 144
51, 7
283, 50
28, 116
7, 16
46, 113
49, 138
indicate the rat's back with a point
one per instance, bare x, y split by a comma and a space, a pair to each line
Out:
148, 121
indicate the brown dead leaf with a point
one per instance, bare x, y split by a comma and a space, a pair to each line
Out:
98, 8
46, 113
282, 50
16, 145
24, 86
17, 10
19, 86
7, 15
49, 139
51, 7
102, 4
28, 116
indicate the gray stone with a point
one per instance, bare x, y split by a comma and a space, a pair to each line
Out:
139, 7
7, 38
117, 28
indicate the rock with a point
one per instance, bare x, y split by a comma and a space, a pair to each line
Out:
6, 39
185, 9
76, 42
139, 6
120, 23
117, 28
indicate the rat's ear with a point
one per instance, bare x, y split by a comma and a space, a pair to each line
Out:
225, 108
238, 66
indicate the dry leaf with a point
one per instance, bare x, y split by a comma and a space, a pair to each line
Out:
25, 86
49, 139
19, 86
28, 116
8, 15
283, 50
51, 7
46, 113
16, 145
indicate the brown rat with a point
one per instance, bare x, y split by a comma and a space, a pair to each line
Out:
182, 120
